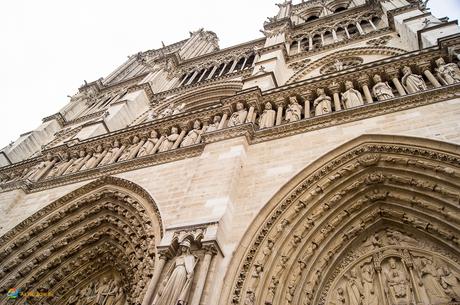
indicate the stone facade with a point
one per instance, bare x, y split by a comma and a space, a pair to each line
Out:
319, 164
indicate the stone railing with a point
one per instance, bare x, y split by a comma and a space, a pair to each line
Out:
398, 83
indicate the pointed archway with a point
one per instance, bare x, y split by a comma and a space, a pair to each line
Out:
97, 239
376, 221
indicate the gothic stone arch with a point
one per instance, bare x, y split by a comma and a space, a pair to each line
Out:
99, 238
376, 219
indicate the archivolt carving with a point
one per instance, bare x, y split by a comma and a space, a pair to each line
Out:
100, 237
378, 212
329, 59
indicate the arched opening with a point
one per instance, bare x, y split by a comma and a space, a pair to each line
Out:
311, 18
366, 26
239, 64
373, 222
250, 61
317, 42
352, 30
340, 9
97, 239
328, 38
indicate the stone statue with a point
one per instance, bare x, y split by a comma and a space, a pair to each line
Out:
61, 166
412, 82
178, 109
167, 111
322, 103
352, 97
79, 159
381, 90
115, 296
354, 288
293, 111
40, 169
448, 74
149, 144
111, 154
168, 142
450, 282
239, 116
215, 124
267, 118
103, 291
397, 285
430, 280
131, 151
95, 158
152, 115
193, 136
176, 286
370, 293
338, 65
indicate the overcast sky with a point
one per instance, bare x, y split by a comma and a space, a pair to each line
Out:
49, 47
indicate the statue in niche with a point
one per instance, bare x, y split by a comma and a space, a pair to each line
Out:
352, 97
111, 154
293, 111
61, 166
149, 144
77, 163
322, 103
215, 124
193, 136
168, 142
176, 286
239, 116
370, 293
397, 285
412, 82
354, 288
267, 118
38, 170
95, 158
430, 279
381, 90
450, 282
130, 152
448, 74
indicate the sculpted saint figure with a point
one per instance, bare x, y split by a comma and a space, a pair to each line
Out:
176, 286
168, 142
322, 103
40, 169
381, 90
267, 118
193, 136
354, 288
131, 150
397, 285
95, 158
352, 97
450, 282
149, 144
239, 116
103, 291
370, 293
293, 111
447, 73
215, 124
429, 277
167, 111
111, 154
78, 161
61, 166
412, 82
178, 109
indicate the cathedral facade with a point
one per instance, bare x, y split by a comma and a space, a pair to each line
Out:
317, 165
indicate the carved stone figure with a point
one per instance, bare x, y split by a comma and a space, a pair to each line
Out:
193, 136
322, 103
412, 82
103, 291
152, 115
447, 73
354, 288
40, 169
168, 142
381, 90
293, 111
429, 277
369, 290
149, 144
78, 162
352, 97
397, 285
167, 111
178, 109
176, 286
450, 282
238, 117
111, 154
131, 151
215, 124
267, 118
338, 65
95, 158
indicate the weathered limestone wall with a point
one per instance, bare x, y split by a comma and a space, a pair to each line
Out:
232, 180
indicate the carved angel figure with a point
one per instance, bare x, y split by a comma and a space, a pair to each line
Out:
429, 277
352, 97
322, 103
176, 286
447, 73
293, 111
239, 116
369, 290
412, 82
450, 282
267, 118
381, 90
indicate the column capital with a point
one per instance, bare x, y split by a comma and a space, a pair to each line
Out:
307, 94
280, 101
392, 72
424, 65
210, 249
363, 80
334, 87
183, 125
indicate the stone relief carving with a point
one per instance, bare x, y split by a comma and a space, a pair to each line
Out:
215, 124
412, 82
150, 143
338, 65
293, 111
193, 136
267, 117
322, 103
381, 90
239, 116
449, 73
169, 140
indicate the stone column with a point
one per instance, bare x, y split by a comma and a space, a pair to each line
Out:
252, 105
322, 39
157, 145
298, 46
334, 35
233, 66
212, 72
224, 119
346, 32
360, 29
148, 298
393, 74
381, 287
310, 43
183, 131
203, 273
308, 96
363, 81
223, 69
202, 75
244, 63
373, 25
425, 67
279, 113
192, 78
335, 89
418, 299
